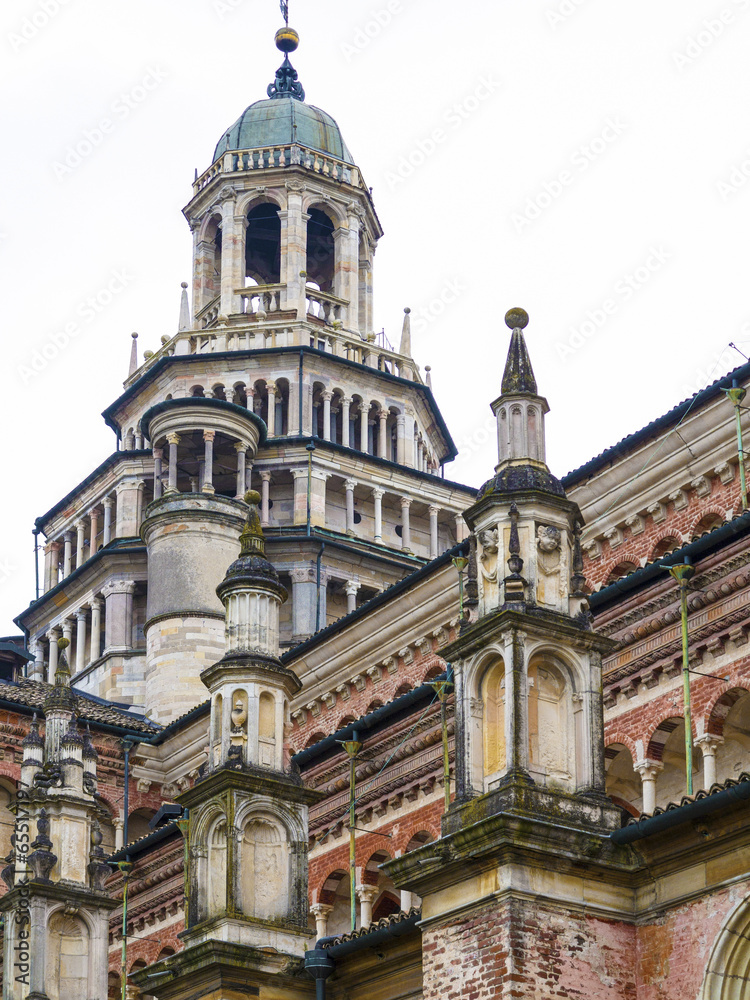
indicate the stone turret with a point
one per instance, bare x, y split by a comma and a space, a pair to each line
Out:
248, 826
56, 909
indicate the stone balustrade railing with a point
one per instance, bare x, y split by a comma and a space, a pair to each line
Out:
246, 161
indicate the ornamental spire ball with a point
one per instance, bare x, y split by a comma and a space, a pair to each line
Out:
517, 319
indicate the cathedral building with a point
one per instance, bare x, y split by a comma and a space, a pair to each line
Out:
295, 715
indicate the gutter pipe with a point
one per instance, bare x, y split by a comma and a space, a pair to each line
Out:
683, 814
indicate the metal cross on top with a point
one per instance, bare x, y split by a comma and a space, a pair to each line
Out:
285, 11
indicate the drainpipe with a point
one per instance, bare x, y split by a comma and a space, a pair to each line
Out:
317, 584
442, 689
682, 573
35, 533
309, 448
735, 395
352, 748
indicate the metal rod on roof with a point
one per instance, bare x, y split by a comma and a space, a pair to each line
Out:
735, 395
683, 573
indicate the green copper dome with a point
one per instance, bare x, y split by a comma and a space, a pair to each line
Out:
281, 121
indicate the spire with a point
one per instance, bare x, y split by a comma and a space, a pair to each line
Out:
286, 83
519, 375
252, 542
428, 375
133, 355
61, 695
405, 347
184, 323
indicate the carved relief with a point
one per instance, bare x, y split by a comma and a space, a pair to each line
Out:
548, 562
488, 542
264, 870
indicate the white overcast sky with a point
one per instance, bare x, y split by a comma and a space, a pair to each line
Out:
587, 161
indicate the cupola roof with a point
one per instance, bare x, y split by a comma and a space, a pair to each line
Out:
284, 118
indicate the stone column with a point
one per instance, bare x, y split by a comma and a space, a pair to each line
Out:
96, 629
460, 527
93, 531
321, 912
173, 440
241, 450
67, 631
80, 543
52, 636
265, 478
158, 454
345, 404
406, 903
80, 640
119, 833
648, 770
248, 475
36, 669
516, 707
405, 526
400, 439
377, 496
52, 571
366, 895
68, 558
271, 400
128, 508
349, 485
709, 744
107, 503
364, 409
208, 458
350, 589
327, 397
382, 432
434, 511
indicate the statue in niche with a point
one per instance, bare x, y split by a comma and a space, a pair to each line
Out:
488, 541
548, 540
238, 734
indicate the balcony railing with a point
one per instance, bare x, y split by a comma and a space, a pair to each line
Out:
268, 157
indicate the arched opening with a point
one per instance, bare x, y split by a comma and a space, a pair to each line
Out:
282, 407
728, 966
622, 569
730, 721
709, 522
320, 250
667, 746
138, 821
552, 744
67, 958
208, 265
665, 545
260, 400
418, 840
622, 783
266, 730
493, 721
387, 900
263, 245
336, 893
317, 409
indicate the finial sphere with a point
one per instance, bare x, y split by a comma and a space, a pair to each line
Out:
63, 644
287, 39
517, 319
252, 496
